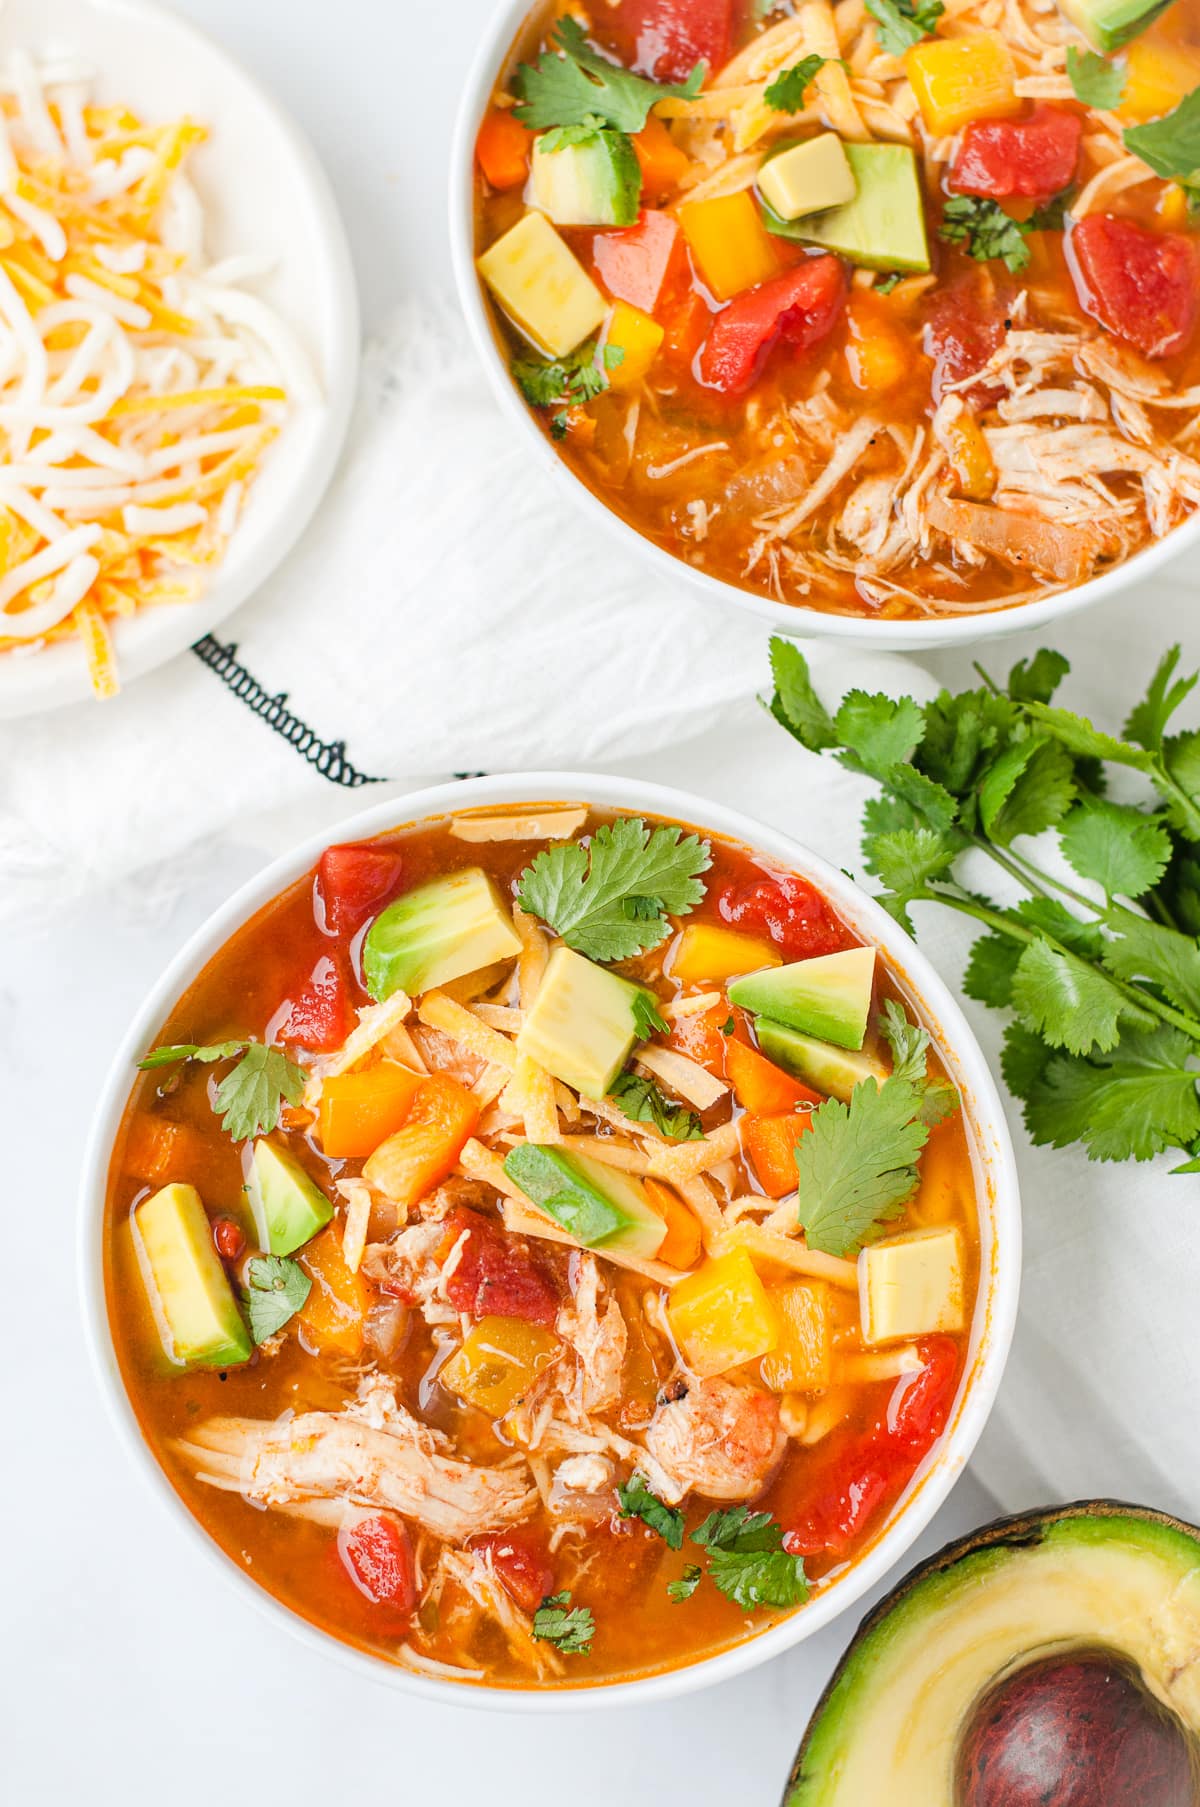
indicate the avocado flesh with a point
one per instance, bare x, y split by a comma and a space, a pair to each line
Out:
829, 997
289, 1207
439, 932
1110, 23
193, 1303
883, 227
889, 1725
581, 1026
834, 1071
599, 1206
596, 183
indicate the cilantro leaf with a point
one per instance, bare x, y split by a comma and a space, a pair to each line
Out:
1031, 786
644, 1102
582, 891
909, 859
730, 1526
910, 1045
251, 1096
1023, 1060
903, 23
1118, 847
1079, 737
648, 1019
1035, 680
1096, 81
747, 1560
1147, 723
1140, 949
572, 84
569, 382
1070, 1003
1130, 1103
571, 1628
878, 731
991, 969
688, 1582
984, 230
276, 1289
786, 93
639, 1501
857, 1165
796, 705
1171, 145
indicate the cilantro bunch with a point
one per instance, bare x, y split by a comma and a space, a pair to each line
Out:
1099, 969
746, 1558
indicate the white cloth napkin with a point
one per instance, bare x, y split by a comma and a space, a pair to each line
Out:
449, 612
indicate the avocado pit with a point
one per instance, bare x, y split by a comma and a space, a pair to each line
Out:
1076, 1729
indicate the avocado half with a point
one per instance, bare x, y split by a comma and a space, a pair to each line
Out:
1094, 1574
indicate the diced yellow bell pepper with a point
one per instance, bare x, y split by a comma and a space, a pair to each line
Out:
638, 337
721, 1316
705, 951
498, 1363
1174, 209
729, 243
1157, 78
802, 1360
971, 459
957, 80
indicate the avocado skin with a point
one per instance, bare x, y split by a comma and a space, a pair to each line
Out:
982, 1549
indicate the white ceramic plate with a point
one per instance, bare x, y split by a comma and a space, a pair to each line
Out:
264, 192
494, 50
999, 1210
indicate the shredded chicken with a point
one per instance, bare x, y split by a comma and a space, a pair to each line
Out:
407, 1267
718, 1439
599, 1339
472, 1572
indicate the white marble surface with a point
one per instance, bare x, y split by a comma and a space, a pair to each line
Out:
126, 1672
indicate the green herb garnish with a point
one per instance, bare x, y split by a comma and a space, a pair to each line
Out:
747, 1560
571, 1628
638, 1501
857, 1164
573, 85
1103, 986
567, 383
786, 93
688, 1582
610, 899
903, 23
648, 1019
984, 231
275, 1291
644, 1102
251, 1096
1096, 81
1171, 145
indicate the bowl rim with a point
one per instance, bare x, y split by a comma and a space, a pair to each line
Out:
795, 620
279, 510
995, 1316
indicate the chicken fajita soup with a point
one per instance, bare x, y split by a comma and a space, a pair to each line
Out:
542, 1249
883, 307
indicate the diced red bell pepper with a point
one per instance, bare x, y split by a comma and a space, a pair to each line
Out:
687, 321
800, 308
634, 264
791, 911
354, 883
1143, 286
669, 37
376, 1553
522, 1565
1033, 156
962, 332
319, 1015
498, 1275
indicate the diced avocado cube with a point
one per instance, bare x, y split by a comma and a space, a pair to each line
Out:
581, 1026
595, 183
805, 178
597, 1205
911, 1285
829, 997
827, 1069
192, 1300
1110, 23
441, 931
542, 286
883, 227
288, 1205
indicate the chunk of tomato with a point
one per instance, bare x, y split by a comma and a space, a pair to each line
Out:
791, 911
634, 265
318, 1016
376, 1553
798, 309
498, 1275
353, 883
521, 1563
669, 37
1143, 286
1033, 156
965, 326
920, 1403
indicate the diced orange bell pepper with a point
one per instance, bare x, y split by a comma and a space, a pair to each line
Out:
702, 1037
762, 1088
960, 79
707, 950
422, 1154
729, 243
683, 1244
1157, 77
720, 1316
663, 163
876, 355
159, 1151
802, 1360
971, 459
687, 324
361, 1110
770, 1143
332, 1315
503, 149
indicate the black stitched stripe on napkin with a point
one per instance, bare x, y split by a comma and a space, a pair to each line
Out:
327, 756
